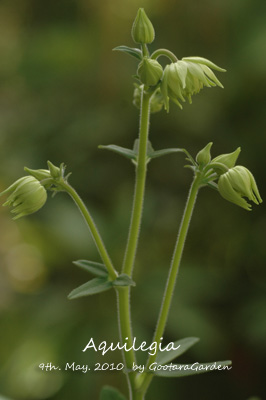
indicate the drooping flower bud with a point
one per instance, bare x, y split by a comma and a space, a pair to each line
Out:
150, 71
236, 183
204, 156
142, 29
184, 78
229, 160
27, 196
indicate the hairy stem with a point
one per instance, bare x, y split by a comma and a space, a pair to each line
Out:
124, 310
139, 186
94, 231
170, 285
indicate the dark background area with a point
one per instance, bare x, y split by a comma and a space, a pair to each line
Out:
62, 93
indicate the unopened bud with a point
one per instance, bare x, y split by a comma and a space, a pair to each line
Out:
142, 29
150, 71
204, 156
27, 196
39, 174
237, 183
229, 160
55, 171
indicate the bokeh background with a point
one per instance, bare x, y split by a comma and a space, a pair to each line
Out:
64, 92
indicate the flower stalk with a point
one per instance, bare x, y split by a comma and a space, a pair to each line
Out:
174, 268
93, 229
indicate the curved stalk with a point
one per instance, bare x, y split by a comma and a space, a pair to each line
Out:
94, 231
164, 52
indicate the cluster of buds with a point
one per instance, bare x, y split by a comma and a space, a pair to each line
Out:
235, 182
29, 193
180, 79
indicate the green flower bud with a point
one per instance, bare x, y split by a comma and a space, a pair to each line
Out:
27, 196
184, 78
150, 71
55, 171
156, 101
39, 174
142, 29
204, 156
137, 96
236, 183
229, 160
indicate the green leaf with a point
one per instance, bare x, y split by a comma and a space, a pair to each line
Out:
130, 50
150, 149
123, 280
164, 152
95, 268
120, 150
184, 344
110, 393
180, 370
96, 285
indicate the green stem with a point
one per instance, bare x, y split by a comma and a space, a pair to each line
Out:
124, 323
164, 52
95, 234
170, 285
123, 294
139, 186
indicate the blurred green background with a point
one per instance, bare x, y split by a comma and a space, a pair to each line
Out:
64, 92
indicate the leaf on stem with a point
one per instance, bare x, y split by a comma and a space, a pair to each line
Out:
96, 285
95, 268
181, 370
136, 53
120, 150
110, 393
123, 280
183, 345
164, 152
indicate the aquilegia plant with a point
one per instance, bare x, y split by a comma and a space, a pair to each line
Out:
156, 87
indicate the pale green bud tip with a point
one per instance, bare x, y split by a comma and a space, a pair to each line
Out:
237, 183
150, 71
27, 196
142, 29
229, 160
204, 156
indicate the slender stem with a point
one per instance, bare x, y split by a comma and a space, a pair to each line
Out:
124, 324
164, 52
170, 285
139, 186
124, 311
95, 234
